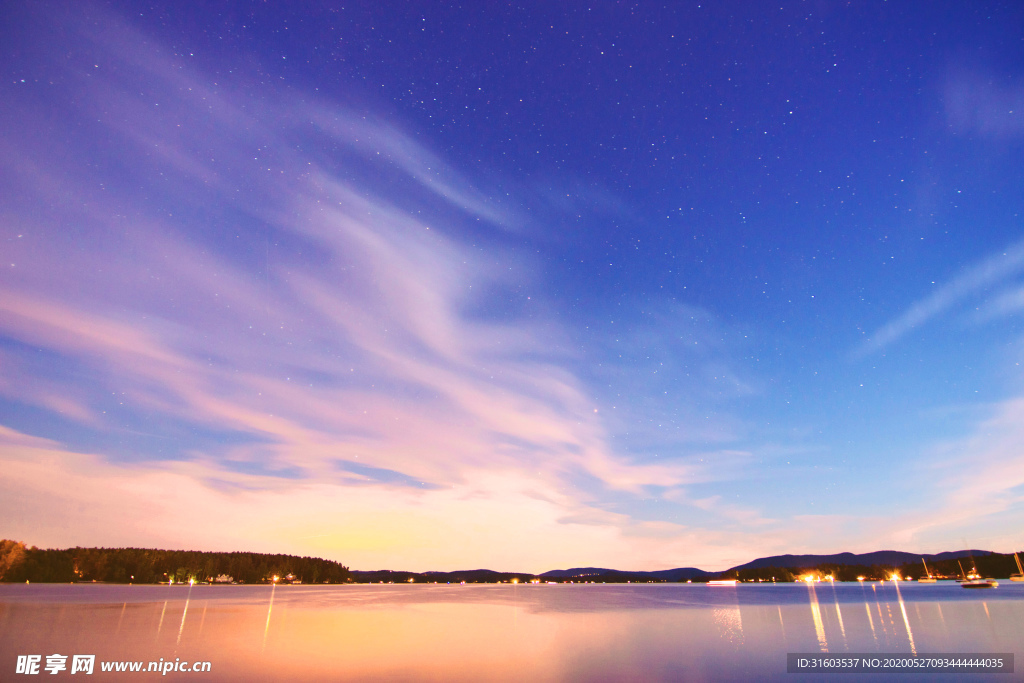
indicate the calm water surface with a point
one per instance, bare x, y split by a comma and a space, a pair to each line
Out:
567, 632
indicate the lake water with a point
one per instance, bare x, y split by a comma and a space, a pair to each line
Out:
566, 632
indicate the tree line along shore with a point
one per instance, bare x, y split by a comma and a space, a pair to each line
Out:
990, 565
20, 563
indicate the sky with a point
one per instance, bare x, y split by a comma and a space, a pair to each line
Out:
513, 286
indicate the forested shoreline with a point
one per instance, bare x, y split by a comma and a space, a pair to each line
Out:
993, 565
20, 563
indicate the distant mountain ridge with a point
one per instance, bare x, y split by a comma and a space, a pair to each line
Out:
601, 574
880, 557
890, 558
467, 575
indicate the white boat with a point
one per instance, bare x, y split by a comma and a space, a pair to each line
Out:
1019, 576
723, 582
927, 578
974, 580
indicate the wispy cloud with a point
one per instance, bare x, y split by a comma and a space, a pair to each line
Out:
978, 484
342, 351
1007, 302
501, 518
385, 143
299, 300
990, 272
985, 472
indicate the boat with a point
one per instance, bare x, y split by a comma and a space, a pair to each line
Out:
723, 582
974, 580
1019, 576
927, 578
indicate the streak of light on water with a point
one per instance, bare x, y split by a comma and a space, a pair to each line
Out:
839, 614
906, 621
819, 626
161, 624
266, 629
184, 613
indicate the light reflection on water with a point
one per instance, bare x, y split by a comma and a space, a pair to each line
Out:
906, 621
270, 606
839, 613
662, 632
871, 623
184, 613
819, 626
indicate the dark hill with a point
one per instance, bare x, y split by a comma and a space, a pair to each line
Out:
467, 575
889, 558
618, 576
575, 572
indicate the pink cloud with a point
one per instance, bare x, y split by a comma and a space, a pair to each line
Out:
317, 322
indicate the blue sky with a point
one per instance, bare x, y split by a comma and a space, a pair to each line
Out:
521, 287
